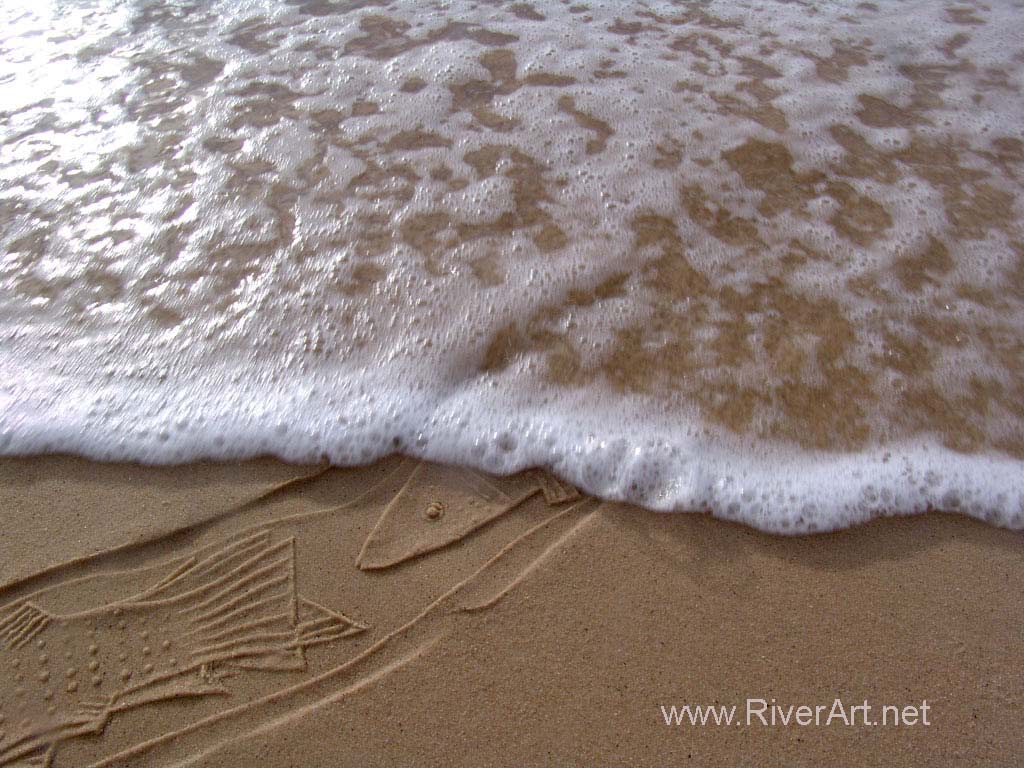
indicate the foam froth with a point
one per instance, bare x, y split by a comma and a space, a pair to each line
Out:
760, 258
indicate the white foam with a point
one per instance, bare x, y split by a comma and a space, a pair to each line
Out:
209, 252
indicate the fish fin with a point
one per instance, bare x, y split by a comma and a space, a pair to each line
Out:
181, 686
91, 715
39, 749
555, 491
20, 622
41, 760
181, 568
437, 506
239, 601
197, 574
270, 662
322, 625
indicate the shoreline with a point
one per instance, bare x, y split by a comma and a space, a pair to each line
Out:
526, 627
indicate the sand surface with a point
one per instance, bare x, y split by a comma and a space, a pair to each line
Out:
416, 614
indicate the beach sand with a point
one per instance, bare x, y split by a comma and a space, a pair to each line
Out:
764, 258
493, 621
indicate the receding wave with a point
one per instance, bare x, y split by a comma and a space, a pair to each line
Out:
759, 258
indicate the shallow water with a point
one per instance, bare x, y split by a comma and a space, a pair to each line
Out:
763, 258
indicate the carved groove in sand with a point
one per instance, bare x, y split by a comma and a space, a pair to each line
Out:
228, 623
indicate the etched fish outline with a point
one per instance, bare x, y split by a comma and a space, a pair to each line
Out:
481, 589
440, 505
432, 510
235, 608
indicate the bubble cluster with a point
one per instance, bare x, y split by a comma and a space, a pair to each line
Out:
724, 256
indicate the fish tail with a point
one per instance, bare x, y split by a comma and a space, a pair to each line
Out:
555, 491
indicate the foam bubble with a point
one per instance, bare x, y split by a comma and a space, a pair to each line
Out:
695, 256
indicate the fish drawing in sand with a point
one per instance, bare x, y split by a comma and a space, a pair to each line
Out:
440, 505
64, 675
232, 607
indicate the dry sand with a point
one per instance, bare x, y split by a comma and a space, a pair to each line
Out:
413, 614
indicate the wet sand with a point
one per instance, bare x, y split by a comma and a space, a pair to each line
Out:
489, 621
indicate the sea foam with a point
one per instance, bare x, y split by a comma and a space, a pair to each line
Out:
763, 259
